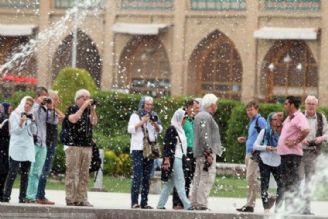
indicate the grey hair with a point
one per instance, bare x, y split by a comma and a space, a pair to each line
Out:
209, 99
80, 93
311, 99
149, 99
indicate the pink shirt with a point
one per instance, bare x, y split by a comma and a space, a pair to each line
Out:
290, 131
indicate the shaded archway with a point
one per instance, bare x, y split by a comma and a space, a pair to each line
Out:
216, 67
289, 68
144, 67
87, 56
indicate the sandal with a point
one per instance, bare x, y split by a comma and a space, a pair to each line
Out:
135, 206
146, 207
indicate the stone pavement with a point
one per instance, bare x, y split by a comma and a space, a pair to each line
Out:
106, 200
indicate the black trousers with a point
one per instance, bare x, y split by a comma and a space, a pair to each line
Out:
265, 171
13, 169
290, 165
188, 175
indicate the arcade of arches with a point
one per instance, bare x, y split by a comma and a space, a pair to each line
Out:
289, 68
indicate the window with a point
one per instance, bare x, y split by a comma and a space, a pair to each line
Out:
289, 69
144, 67
216, 64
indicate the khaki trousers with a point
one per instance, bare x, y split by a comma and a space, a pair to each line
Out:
77, 173
202, 183
252, 169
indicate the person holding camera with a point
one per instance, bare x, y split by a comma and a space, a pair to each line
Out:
312, 147
54, 116
207, 144
143, 121
21, 147
78, 123
175, 148
40, 115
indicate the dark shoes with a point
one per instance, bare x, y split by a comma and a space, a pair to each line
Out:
178, 207
135, 206
81, 204
307, 212
271, 201
146, 207
245, 209
44, 201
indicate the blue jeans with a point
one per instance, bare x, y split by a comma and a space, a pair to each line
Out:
141, 177
176, 180
41, 194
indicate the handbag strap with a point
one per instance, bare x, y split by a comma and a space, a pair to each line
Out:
179, 139
144, 130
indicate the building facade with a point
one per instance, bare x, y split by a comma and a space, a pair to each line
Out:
237, 49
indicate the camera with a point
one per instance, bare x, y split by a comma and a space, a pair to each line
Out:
312, 143
29, 116
46, 100
153, 118
94, 103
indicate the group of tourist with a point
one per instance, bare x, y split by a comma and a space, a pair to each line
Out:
286, 148
191, 144
28, 141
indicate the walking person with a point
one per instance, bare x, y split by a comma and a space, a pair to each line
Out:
207, 144
22, 127
5, 111
191, 107
53, 117
312, 147
269, 162
175, 148
294, 131
257, 122
141, 121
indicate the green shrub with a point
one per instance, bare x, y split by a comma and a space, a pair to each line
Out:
16, 97
68, 81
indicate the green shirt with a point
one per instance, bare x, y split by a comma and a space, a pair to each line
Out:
189, 131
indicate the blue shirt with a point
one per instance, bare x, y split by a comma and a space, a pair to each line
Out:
252, 132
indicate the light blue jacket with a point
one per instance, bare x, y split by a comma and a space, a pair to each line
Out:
21, 145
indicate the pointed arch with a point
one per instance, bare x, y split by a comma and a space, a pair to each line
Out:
216, 66
289, 68
144, 67
87, 56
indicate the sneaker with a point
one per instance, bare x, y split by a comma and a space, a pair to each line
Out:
135, 206
245, 209
29, 201
44, 201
